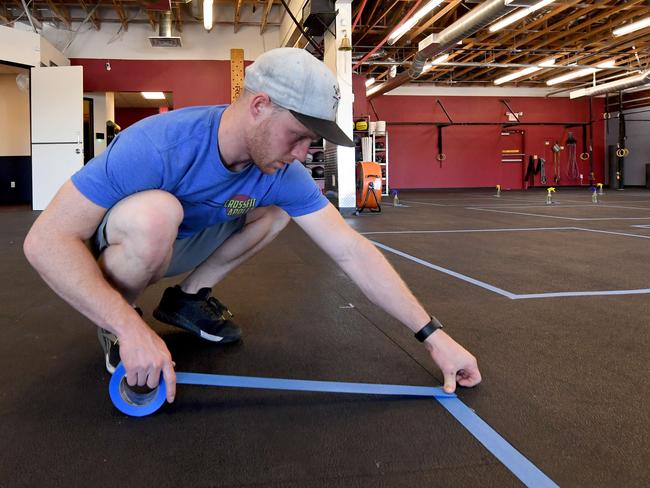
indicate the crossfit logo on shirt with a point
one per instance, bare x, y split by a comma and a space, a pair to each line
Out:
239, 205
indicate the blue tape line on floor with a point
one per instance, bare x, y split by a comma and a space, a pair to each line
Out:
141, 405
512, 459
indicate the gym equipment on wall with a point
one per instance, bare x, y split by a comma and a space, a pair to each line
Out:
572, 170
318, 172
621, 150
556, 162
368, 186
542, 170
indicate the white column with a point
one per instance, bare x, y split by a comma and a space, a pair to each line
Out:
341, 63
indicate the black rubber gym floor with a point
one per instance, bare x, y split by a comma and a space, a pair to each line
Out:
565, 377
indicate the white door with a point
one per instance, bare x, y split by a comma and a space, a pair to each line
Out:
57, 129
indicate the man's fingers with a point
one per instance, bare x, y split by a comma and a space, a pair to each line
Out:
450, 381
469, 377
153, 378
131, 377
170, 381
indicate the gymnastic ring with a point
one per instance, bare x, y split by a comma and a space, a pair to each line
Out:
441, 156
627, 152
584, 156
620, 153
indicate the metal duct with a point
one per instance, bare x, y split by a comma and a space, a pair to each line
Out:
467, 25
165, 24
164, 37
618, 85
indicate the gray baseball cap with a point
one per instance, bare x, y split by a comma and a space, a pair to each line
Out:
297, 81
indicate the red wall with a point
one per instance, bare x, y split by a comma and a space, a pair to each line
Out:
192, 82
474, 152
125, 117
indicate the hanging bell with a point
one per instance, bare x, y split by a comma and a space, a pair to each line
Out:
345, 43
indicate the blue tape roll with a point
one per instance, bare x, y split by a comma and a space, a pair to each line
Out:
131, 403
139, 405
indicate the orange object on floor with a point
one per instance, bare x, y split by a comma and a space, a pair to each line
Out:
368, 186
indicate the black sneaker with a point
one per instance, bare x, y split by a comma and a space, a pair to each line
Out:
199, 313
111, 346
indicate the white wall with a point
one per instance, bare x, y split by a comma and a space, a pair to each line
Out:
51, 55
14, 118
19, 46
637, 142
198, 44
288, 26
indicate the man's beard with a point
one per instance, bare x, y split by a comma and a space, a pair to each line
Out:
259, 148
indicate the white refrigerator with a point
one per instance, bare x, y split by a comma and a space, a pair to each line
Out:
57, 129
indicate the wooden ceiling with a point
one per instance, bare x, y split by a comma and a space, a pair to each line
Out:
571, 31
65, 12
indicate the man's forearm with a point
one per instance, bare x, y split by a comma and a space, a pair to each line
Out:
68, 267
386, 289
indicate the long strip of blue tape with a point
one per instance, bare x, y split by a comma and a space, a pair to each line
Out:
521, 467
307, 385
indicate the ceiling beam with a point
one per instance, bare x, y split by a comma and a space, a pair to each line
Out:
178, 16
503, 38
237, 15
117, 5
61, 12
94, 18
265, 15
579, 32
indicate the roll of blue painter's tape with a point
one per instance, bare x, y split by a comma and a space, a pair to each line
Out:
131, 402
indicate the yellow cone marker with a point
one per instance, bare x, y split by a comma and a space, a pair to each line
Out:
549, 195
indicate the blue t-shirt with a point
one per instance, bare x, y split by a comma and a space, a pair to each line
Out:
178, 152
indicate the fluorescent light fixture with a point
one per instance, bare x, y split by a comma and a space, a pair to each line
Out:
370, 82
623, 84
372, 90
438, 60
153, 95
547, 63
607, 64
634, 26
415, 18
207, 14
518, 15
578, 73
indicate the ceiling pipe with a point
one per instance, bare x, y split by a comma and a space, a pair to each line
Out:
385, 40
618, 85
497, 65
467, 25
356, 19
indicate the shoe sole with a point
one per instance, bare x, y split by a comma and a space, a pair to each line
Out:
178, 321
104, 343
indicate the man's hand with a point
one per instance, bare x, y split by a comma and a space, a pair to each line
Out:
145, 356
456, 363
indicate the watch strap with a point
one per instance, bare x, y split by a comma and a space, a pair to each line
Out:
433, 325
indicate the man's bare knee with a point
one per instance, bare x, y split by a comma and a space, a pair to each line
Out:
146, 225
276, 218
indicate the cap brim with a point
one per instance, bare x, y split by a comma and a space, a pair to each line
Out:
326, 129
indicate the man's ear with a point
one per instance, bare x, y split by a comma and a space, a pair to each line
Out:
259, 105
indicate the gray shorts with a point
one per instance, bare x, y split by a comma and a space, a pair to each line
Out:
187, 253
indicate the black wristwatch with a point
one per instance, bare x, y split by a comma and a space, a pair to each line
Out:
433, 325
